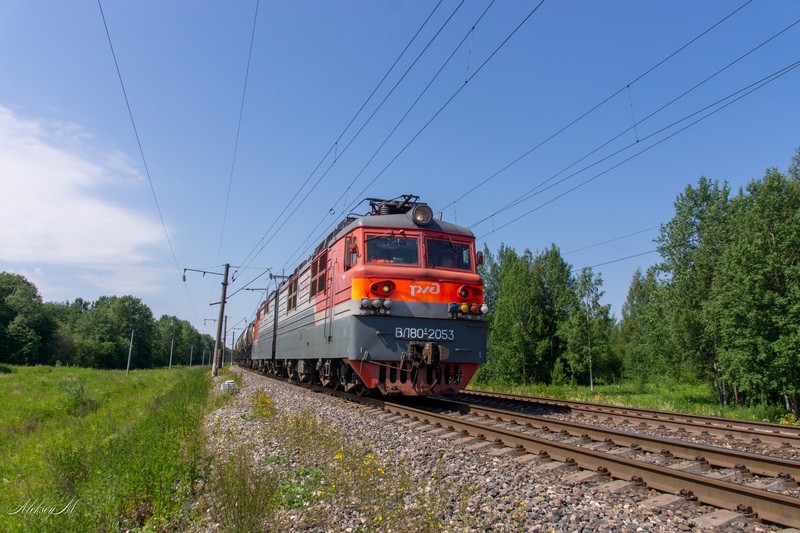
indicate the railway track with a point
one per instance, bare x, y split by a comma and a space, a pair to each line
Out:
745, 430
669, 450
751, 484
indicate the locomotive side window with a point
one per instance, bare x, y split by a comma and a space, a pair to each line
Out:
449, 254
394, 250
291, 299
319, 268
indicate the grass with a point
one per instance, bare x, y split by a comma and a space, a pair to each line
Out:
111, 451
94, 450
241, 497
677, 397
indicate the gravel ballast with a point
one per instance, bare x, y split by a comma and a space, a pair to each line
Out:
484, 491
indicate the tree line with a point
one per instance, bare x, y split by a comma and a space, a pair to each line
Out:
91, 334
722, 306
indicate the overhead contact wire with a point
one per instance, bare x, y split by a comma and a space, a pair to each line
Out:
615, 239
532, 192
746, 91
136, 134
452, 97
141, 153
595, 107
438, 112
414, 104
613, 261
308, 193
336, 143
238, 131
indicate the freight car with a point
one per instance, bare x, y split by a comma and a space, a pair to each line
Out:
390, 302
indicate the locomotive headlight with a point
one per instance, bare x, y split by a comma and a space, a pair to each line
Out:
387, 303
377, 303
383, 288
484, 309
421, 215
365, 302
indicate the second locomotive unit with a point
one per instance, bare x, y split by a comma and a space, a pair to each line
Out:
391, 302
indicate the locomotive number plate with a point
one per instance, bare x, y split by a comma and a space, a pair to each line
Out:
425, 334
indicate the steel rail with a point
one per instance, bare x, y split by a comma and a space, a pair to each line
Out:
763, 431
773, 507
757, 464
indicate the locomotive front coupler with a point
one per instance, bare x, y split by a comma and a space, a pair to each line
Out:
429, 353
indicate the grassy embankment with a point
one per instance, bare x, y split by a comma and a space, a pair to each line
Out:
682, 398
96, 450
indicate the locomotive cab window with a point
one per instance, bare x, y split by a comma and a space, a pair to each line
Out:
350, 252
449, 254
393, 250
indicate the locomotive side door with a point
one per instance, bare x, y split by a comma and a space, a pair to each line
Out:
329, 291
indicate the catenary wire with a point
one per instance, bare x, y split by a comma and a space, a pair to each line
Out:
141, 154
308, 193
533, 191
238, 131
613, 261
614, 239
594, 108
136, 134
747, 91
414, 104
419, 132
334, 146
386, 139
477, 71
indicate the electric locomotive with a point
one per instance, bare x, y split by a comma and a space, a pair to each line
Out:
390, 302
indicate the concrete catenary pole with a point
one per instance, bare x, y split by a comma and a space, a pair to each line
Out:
130, 350
233, 341
219, 321
224, 340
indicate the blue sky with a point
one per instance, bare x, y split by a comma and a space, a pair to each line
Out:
78, 218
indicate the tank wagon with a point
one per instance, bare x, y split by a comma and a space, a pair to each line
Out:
390, 302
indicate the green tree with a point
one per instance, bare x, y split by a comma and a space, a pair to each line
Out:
644, 340
756, 301
587, 329
690, 245
557, 288
25, 329
104, 333
793, 172
529, 295
182, 337
511, 327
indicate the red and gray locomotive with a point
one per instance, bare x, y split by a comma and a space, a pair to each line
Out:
390, 302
